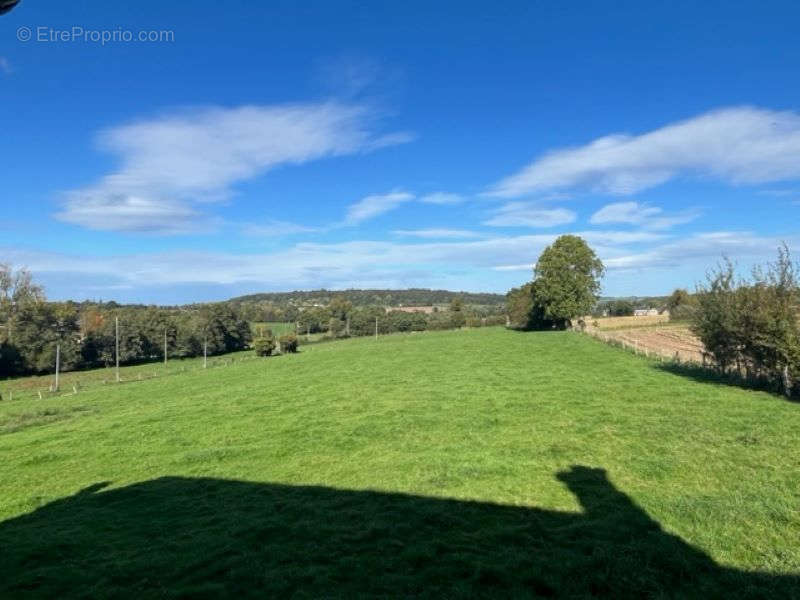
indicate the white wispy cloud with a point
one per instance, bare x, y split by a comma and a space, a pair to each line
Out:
527, 214
702, 247
172, 164
442, 198
276, 228
643, 215
364, 263
133, 213
779, 193
371, 206
5, 66
316, 264
523, 267
437, 233
736, 145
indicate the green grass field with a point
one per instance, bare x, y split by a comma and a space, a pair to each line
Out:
279, 328
465, 463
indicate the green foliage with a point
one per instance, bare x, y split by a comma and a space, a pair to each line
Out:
340, 308
457, 316
567, 280
565, 286
751, 327
265, 345
681, 305
33, 328
519, 304
10, 360
617, 308
37, 327
401, 321
362, 321
288, 343
283, 301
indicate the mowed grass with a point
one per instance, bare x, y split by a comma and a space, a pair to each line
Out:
456, 463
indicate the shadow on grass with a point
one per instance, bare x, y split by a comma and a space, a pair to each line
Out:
217, 538
703, 374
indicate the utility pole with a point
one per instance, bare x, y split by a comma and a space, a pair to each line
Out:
347, 327
165, 346
116, 343
376, 328
58, 364
205, 352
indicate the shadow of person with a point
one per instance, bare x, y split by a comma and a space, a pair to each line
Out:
204, 537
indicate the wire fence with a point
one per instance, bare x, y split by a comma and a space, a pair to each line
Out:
72, 383
648, 350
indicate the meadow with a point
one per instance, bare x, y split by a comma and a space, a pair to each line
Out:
278, 328
463, 463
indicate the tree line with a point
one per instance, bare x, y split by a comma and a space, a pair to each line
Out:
31, 328
85, 333
286, 306
340, 318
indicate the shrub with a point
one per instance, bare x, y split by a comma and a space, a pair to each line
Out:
750, 328
264, 346
288, 342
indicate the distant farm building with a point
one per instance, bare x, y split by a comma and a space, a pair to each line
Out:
645, 312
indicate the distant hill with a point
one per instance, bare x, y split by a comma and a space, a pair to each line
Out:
410, 297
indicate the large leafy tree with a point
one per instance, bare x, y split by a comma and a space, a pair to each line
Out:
566, 281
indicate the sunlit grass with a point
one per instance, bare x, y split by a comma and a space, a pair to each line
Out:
483, 415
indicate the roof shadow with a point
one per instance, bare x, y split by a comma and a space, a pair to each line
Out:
217, 538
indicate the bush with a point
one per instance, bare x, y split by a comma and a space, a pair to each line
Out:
620, 308
750, 328
264, 346
288, 343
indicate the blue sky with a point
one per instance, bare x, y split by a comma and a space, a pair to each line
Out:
282, 145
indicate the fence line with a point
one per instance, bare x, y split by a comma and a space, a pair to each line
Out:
143, 374
643, 350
